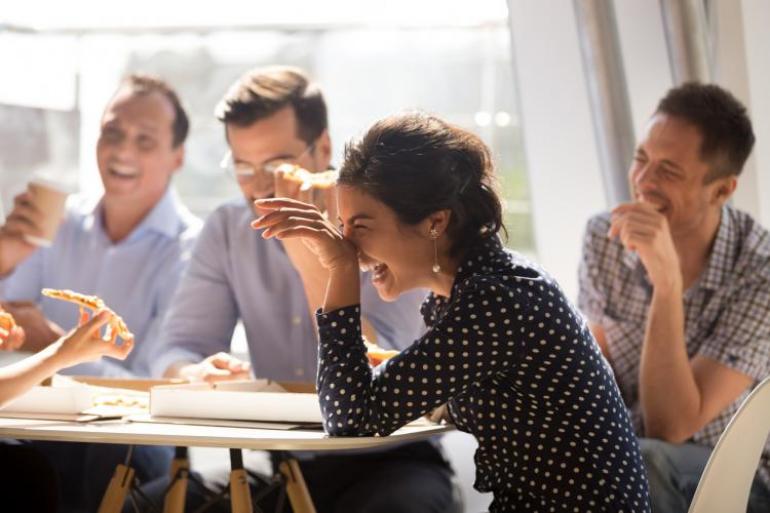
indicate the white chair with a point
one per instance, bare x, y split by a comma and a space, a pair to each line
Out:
726, 482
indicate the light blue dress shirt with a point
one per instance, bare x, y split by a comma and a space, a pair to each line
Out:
135, 277
236, 274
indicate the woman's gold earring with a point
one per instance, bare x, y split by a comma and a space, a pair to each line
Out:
434, 236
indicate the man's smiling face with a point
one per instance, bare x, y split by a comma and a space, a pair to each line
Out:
268, 141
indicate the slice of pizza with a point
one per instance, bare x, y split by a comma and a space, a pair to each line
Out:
309, 180
377, 354
93, 303
7, 322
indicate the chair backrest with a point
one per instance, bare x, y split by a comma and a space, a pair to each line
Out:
726, 482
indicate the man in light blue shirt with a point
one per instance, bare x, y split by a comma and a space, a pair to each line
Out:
130, 249
135, 277
273, 116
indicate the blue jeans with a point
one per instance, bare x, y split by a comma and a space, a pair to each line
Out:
674, 471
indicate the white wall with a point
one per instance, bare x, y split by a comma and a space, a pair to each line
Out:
645, 58
731, 71
756, 20
562, 160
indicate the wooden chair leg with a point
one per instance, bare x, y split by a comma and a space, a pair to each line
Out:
118, 489
296, 488
240, 494
177, 493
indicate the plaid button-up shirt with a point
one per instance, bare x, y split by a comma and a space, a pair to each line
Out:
727, 310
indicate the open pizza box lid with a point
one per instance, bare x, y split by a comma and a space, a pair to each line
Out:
257, 400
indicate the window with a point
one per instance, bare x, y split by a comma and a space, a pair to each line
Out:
462, 73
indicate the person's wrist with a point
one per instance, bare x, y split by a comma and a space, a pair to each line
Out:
669, 285
344, 267
58, 354
345, 263
191, 372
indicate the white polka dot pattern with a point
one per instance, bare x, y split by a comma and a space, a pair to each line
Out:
519, 370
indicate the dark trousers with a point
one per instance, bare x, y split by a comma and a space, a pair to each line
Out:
414, 478
85, 470
28, 482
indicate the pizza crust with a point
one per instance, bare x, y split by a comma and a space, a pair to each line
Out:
308, 179
7, 321
93, 303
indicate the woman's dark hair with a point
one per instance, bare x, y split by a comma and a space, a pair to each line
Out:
417, 164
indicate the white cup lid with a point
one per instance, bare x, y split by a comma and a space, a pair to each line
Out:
56, 185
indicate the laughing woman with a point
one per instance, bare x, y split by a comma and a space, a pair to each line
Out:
509, 354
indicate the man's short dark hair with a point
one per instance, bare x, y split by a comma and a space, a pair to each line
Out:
139, 83
262, 92
722, 121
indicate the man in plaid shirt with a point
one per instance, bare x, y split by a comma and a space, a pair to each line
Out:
676, 288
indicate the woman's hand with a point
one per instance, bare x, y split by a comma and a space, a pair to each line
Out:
11, 335
288, 218
85, 343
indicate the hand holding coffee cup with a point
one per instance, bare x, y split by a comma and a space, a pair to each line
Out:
33, 222
21, 221
48, 200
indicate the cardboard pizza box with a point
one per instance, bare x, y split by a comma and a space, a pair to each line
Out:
257, 400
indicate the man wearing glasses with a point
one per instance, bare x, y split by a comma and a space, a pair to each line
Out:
273, 116
132, 243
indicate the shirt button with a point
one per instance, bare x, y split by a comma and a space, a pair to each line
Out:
299, 372
296, 320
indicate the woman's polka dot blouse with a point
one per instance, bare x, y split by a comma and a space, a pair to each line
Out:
519, 370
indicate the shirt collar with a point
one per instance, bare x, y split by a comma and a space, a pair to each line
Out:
477, 257
720, 259
480, 258
164, 218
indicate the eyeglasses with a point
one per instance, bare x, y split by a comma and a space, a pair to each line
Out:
244, 172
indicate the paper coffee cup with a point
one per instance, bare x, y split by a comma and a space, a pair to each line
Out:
50, 198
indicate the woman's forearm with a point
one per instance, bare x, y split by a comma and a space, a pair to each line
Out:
17, 378
343, 288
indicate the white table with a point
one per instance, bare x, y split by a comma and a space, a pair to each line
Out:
185, 435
